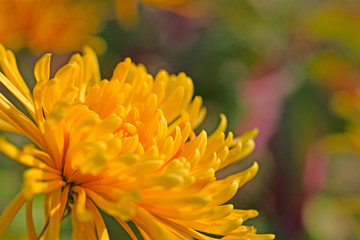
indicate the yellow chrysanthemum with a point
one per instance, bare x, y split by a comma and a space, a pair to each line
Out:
57, 25
124, 145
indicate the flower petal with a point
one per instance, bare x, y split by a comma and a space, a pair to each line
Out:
8, 215
29, 221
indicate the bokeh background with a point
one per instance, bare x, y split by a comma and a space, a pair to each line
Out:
289, 67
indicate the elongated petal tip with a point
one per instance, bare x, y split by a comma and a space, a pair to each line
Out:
42, 68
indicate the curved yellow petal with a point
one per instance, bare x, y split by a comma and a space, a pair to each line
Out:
8, 215
29, 221
101, 230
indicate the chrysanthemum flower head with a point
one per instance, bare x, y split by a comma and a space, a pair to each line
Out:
57, 25
126, 146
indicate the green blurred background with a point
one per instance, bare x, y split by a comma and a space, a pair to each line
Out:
272, 64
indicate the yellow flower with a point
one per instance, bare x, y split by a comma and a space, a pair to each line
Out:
42, 25
67, 25
125, 145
